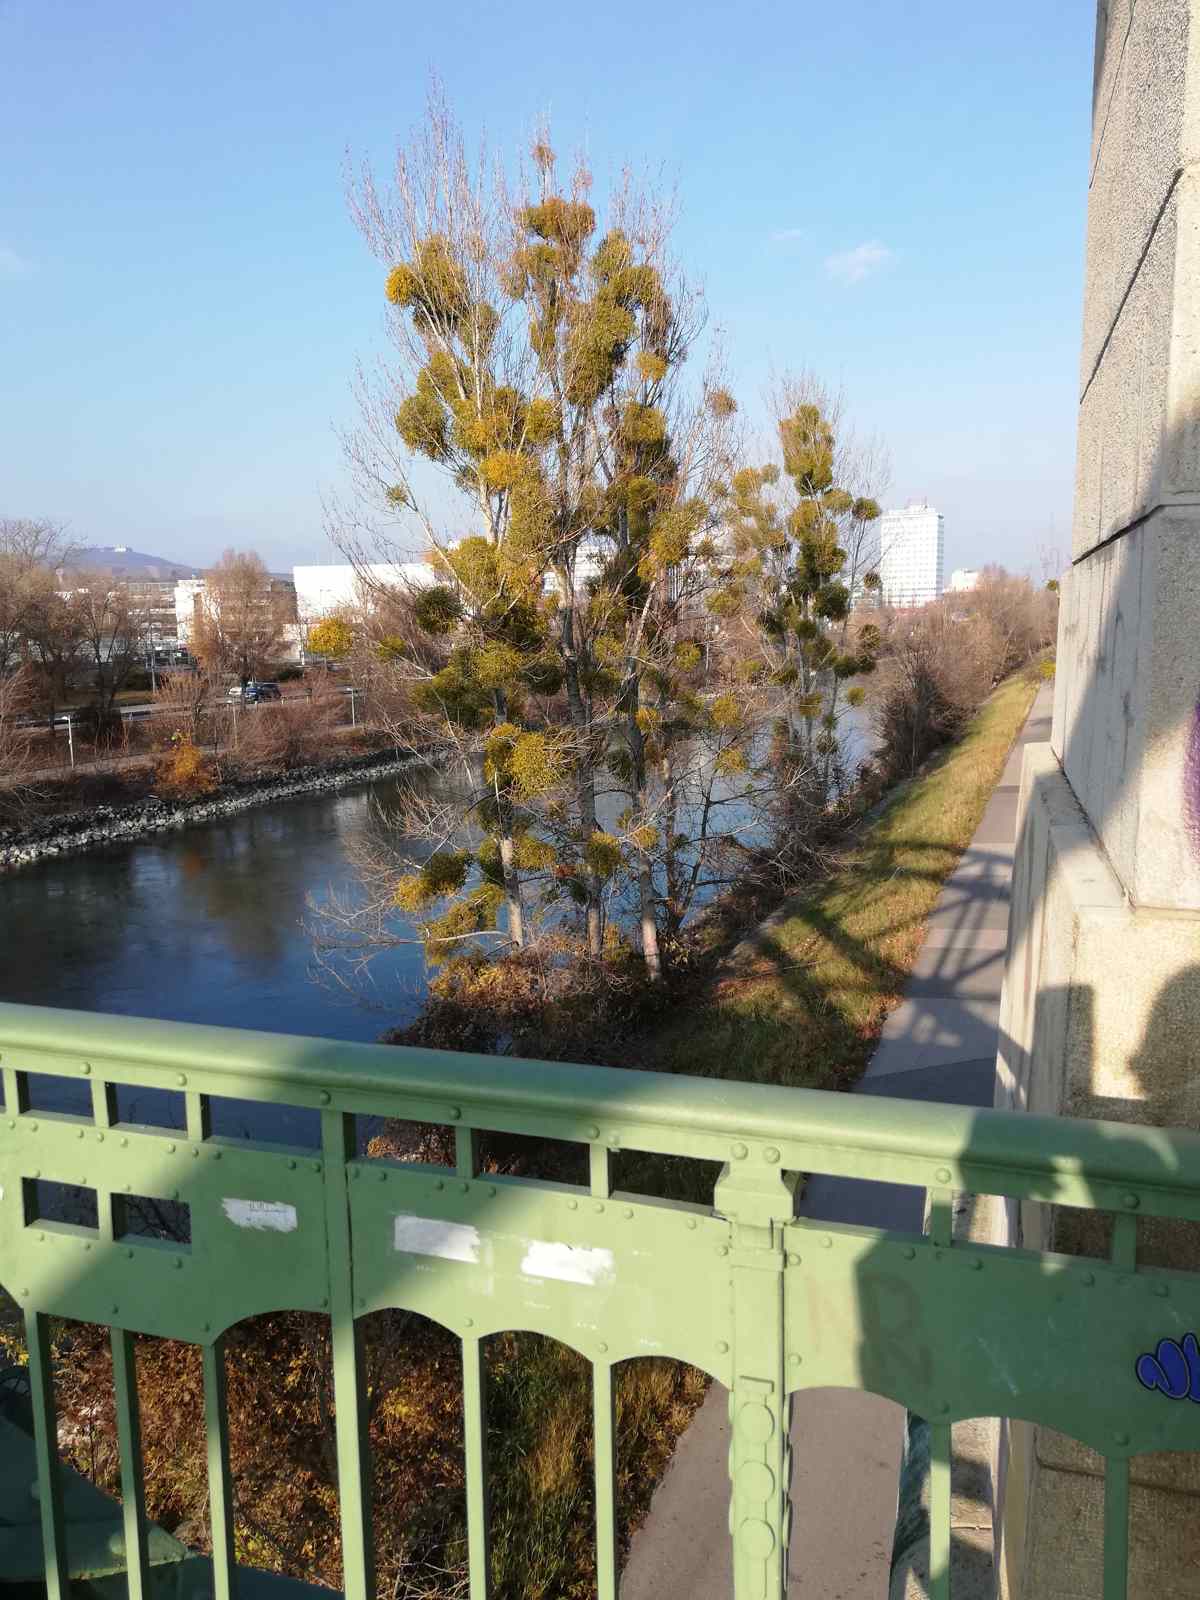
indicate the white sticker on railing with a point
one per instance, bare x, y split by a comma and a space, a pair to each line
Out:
273, 1215
568, 1263
428, 1236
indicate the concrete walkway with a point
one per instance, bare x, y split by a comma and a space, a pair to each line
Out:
940, 1045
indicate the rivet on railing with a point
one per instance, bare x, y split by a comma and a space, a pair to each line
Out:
87, 1244
794, 1358
468, 1322
216, 1155
1161, 1290
124, 1144
206, 1327
572, 1205
194, 1152
943, 1407
324, 1301
722, 1347
943, 1175
976, 1264
324, 1097
36, 1173
602, 1347
1121, 1438
12, 1122
170, 1149
1131, 1202
614, 1137
722, 1249
24, 1294
599, 1206
793, 1258
129, 1253
826, 1241
1087, 1279
99, 1137
177, 1263
174, 1194
383, 1177
492, 1192
115, 1311
691, 1222
79, 1133
909, 1253
440, 1184
33, 1127
628, 1213
316, 1166
291, 1164
770, 1154
739, 1152
181, 1078
593, 1131
86, 1069
455, 1113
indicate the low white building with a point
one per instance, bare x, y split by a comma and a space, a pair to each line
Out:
963, 580
343, 587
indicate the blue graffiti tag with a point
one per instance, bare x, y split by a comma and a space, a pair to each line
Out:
1173, 1368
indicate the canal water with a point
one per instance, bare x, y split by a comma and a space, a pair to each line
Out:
212, 923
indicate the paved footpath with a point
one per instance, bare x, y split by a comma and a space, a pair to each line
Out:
939, 1044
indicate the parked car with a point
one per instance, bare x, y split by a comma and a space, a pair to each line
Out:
250, 694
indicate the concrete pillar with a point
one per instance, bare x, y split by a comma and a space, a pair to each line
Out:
1101, 1009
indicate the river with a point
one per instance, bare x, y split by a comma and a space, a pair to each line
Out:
207, 924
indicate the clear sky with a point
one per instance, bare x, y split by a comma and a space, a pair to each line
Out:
890, 192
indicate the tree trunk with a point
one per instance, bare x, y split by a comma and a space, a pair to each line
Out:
645, 876
586, 783
512, 891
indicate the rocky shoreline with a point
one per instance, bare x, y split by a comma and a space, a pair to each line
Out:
101, 825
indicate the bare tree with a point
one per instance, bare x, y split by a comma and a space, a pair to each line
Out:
17, 698
29, 552
112, 632
241, 619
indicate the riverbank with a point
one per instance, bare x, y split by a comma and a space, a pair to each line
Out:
101, 824
803, 1000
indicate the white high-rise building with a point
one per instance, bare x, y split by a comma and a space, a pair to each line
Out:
913, 546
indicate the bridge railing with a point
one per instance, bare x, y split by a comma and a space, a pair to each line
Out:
765, 1302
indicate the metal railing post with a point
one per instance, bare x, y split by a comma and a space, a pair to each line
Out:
757, 1203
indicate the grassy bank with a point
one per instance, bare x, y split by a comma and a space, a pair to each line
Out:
803, 1001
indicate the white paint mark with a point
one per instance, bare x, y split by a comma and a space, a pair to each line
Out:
273, 1216
567, 1262
427, 1236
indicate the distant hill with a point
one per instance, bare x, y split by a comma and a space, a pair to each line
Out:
119, 561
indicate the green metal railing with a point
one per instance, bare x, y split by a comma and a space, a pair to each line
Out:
765, 1302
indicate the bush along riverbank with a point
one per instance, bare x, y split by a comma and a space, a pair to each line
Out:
102, 824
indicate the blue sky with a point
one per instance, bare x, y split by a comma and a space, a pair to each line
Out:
892, 194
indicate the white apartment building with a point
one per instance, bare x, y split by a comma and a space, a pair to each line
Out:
913, 554
963, 580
